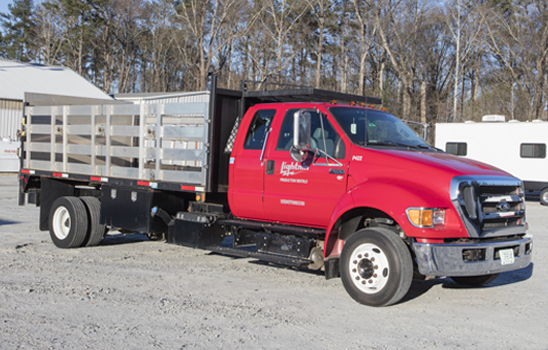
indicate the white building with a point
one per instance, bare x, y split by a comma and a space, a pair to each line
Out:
16, 79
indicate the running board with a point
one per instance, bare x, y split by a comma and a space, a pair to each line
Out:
258, 225
274, 258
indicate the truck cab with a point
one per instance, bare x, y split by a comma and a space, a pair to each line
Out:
377, 190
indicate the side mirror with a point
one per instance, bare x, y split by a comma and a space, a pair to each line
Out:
301, 129
301, 135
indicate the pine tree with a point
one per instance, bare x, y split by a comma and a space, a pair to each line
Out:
18, 27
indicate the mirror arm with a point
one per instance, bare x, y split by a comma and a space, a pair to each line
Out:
327, 156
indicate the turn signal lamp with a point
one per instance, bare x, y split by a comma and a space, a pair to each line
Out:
426, 217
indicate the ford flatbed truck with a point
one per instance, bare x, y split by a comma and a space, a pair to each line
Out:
296, 176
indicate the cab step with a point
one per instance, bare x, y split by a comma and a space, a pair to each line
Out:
253, 253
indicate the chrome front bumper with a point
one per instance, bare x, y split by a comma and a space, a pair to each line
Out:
448, 259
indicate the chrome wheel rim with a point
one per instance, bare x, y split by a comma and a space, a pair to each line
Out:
369, 268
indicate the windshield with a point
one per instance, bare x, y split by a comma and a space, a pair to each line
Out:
367, 127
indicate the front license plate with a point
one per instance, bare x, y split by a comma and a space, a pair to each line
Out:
506, 256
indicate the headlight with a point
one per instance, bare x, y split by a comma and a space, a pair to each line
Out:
426, 217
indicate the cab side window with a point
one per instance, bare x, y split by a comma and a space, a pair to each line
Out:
326, 139
285, 140
262, 120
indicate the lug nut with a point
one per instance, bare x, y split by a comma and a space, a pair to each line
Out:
370, 281
357, 278
375, 275
376, 267
372, 259
367, 255
354, 270
363, 282
355, 262
359, 256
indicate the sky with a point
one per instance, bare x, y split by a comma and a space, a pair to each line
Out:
4, 5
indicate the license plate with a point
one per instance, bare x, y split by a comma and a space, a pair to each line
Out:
506, 256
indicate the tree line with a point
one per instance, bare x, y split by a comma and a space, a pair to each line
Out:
430, 61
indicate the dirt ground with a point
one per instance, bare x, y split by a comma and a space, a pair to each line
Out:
131, 293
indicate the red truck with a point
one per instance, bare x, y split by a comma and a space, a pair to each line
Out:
297, 176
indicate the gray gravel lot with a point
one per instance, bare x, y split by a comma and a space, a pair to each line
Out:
131, 293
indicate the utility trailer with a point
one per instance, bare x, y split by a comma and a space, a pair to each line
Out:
516, 147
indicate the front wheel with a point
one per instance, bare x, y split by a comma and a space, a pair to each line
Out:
475, 280
376, 267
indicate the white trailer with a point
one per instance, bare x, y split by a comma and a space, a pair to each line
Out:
519, 148
9, 162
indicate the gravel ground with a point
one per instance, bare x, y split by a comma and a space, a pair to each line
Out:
131, 293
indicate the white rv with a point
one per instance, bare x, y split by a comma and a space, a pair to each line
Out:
516, 147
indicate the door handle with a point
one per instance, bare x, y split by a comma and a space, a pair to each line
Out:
270, 166
336, 171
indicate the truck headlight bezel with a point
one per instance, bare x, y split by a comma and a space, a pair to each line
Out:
426, 217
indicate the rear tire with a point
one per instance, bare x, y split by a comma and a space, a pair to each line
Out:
544, 197
68, 222
475, 281
376, 267
96, 232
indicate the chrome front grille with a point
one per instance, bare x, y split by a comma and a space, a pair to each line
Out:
489, 206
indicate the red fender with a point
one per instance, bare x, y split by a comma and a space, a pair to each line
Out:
394, 199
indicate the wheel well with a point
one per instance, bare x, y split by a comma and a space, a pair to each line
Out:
354, 220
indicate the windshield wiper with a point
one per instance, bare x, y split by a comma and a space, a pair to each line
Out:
390, 144
428, 147
403, 145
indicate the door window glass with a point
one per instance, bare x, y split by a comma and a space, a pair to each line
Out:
262, 120
326, 139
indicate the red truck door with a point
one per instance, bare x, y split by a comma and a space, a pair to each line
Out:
246, 179
304, 193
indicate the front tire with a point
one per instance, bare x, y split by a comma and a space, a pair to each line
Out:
475, 281
376, 267
68, 222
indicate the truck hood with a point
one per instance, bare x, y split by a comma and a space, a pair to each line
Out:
415, 178
444, 162
416, 168
435, 163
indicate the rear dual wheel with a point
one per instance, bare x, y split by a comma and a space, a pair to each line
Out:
376, 267
68, 222
74, 222
96, 231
